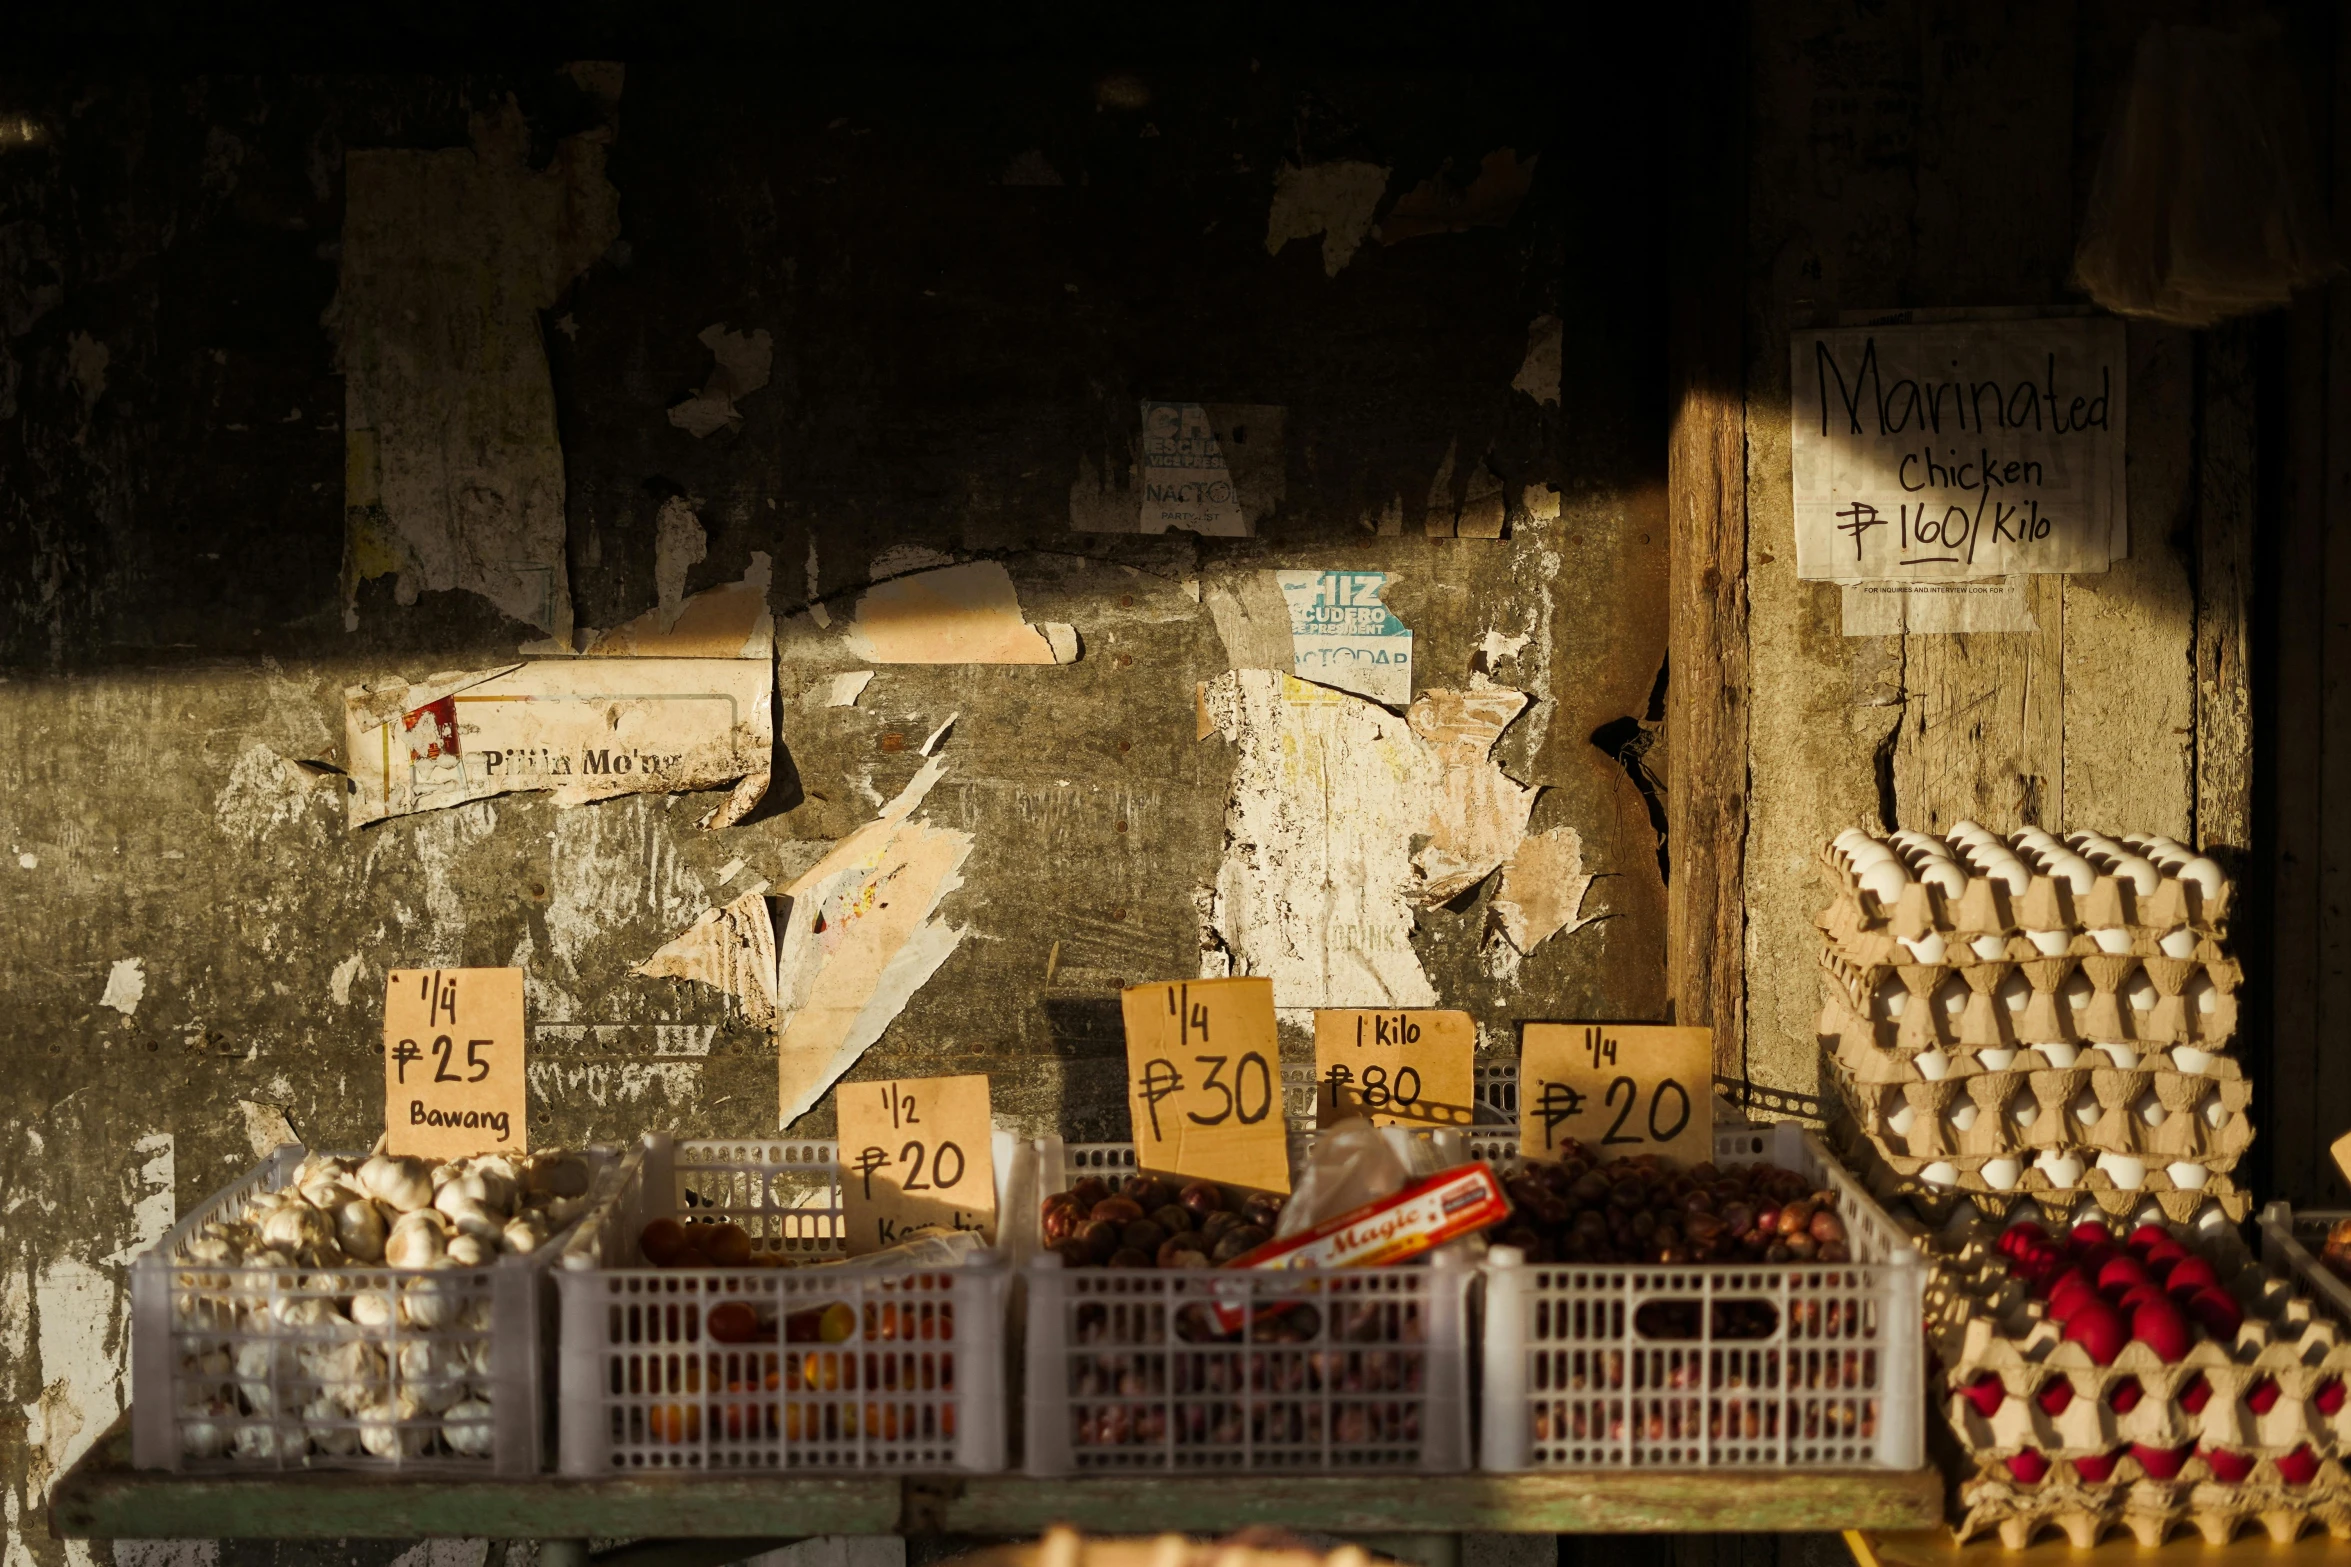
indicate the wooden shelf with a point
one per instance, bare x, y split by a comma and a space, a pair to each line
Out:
1936, 1548
102, 1497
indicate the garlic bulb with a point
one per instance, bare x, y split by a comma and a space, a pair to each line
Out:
257, 1442
429, 1302
524, 1235
375, 1310
402, 1182
432, 1373
295, 1226
328, 1426
360, 1230
470, 1217
469, 1250
469, 1429
415, 1242
384, 1432
208, 1437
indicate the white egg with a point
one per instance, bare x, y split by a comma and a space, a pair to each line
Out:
1886, 1003
1988, 949
2074, 871
2057, 1055
2148, 1109
1951, 997
1869, 852
2085, 1108
2139, 992
2061, 1166
1944, 877
2050, 943
2015, 992
2211, 1221
2002, 1173
1933, 1065
2187, 1177
2112, 938
1996, 1060
1961, 1115
2024, 1109
1929, 948
1900, 1119
2188, 1059
2077, 991
1942, 1174
2010, 872
1885, 880
2140, 872
2206, 875
2030, 838
1966, 830
2216, 1114
2123, 1056
1848, 837
2201, 993
2180, 943
2127, 1172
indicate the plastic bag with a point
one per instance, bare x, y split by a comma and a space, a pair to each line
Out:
2206, 203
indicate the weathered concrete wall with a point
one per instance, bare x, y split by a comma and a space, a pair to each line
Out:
966, 280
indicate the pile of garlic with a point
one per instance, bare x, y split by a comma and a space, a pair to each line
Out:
328, 1358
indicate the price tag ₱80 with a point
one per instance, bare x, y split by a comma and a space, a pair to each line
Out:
1204, 1085
1619, 1089
453, 1062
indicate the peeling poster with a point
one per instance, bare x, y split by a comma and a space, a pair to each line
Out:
1342, 635
585, 729
1216, 469
968, 614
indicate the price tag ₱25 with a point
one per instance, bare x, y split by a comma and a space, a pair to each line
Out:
1204, 1087
454, 1083
916, 1155
1619, 1089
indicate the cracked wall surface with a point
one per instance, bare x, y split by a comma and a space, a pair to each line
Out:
193, 939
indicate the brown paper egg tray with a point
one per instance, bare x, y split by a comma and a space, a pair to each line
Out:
1946, 1005
1987, 908
1868, 1146
2152, 1510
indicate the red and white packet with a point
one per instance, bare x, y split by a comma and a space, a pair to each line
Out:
1420, 1218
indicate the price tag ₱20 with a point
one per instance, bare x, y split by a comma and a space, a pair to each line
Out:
453, 1062
1204, 1085
916, 1155
1619, 1089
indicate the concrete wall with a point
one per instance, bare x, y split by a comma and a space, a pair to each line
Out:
968, 279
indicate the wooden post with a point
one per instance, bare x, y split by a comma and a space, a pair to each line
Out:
1706, 502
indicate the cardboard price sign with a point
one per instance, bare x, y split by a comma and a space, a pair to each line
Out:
2341, 1149
1619, 1089
1204, 1082
917, 1154
1400, 1068
453, 1062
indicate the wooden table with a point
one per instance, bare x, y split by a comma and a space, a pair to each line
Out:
102, 1497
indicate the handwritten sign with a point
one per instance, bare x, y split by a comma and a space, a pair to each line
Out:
2341, 1150
1960, 450
1619, 1089
453, 1062
1204, 1082
1400, 1068
916, 1155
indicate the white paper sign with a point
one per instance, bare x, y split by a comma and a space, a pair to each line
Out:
1958, 451
1342, 635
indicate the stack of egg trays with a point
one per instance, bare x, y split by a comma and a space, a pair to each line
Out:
1983, 1323
2054, 1042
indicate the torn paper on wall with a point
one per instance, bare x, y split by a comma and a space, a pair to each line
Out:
1342, 635
1335, 200
1538, 374
731, 620
1330, 794
584, 729
453, 463
731, 948
1217, 469
1543, 887
860, 938
966, 614
844, 690
1439, 206
742, 362
1477, 812
1889, 609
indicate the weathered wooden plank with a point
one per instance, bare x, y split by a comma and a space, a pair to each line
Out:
2227, 455
1706, 496
1628, 1502
2332, 1099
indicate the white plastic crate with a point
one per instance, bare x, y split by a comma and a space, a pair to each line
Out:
2291, 1240
917, 1385
237, 1368
1333, 1371
1713, 1366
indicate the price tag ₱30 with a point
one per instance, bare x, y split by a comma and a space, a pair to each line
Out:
1619, 1089
1204, 1083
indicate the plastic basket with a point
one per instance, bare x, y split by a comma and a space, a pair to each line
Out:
1789, 1365
2291, 1239
916, 1386
237, 1368
1329, 1371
